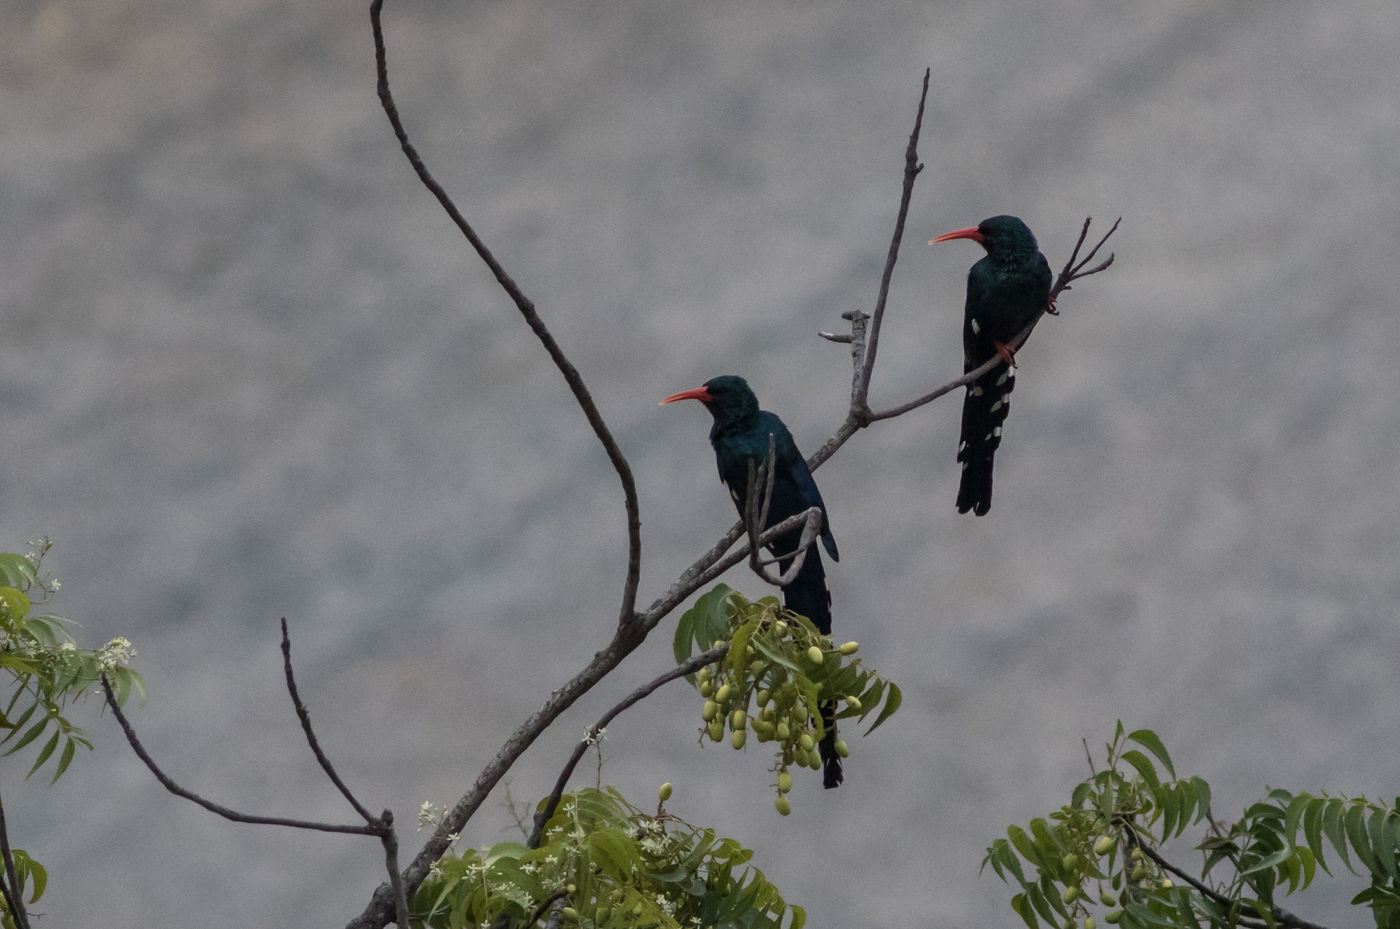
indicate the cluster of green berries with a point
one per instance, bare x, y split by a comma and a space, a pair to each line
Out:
786, 713
1139, 872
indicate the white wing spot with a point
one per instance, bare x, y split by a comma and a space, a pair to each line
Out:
1005, 376
975, 328
998, 405
975, 392
997, 431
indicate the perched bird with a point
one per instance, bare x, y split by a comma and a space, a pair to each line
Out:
1006, 290
740, 435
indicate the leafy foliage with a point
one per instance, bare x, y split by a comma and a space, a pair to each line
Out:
43, 671
605, 863
44, 668
779, 664
1072, 862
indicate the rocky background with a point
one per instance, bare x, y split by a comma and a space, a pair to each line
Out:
250, 371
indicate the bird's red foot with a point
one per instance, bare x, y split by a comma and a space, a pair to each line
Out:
1006, 354
1051, 308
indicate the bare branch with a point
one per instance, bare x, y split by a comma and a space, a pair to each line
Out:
170, 785
641, 693
532, 319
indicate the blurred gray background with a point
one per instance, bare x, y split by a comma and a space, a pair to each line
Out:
250, 371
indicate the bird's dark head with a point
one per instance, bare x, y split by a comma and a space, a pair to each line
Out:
999, 235
727, 397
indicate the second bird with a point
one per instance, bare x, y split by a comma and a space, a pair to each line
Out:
1006, 290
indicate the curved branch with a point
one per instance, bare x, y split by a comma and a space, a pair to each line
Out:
532, 319
689, 666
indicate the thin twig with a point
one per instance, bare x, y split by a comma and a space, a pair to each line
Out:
305, 718
532, 319
690, 666
859, 404
14, 893
212, 807
383, 825
756, 507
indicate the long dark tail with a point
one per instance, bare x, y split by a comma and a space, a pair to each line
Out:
807, 595
984, 410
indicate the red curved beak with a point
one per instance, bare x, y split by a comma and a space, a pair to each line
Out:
970, 233
699, 393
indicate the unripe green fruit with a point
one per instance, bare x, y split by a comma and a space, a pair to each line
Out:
709, 711
737, 740
806, 741
1071, 894
1070, 861
706, 672
814, 761
756, 667
722, 695
784, 731
814, 655
665, 792
737, 719
1113, 917
1089, 922
850, 648
763, 697
1105, 844
1108, 899
783, 806
707, 688
601, 915
853, 702
784, 782
716, 730
843, 749
569, 912
780, 627
761, 730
